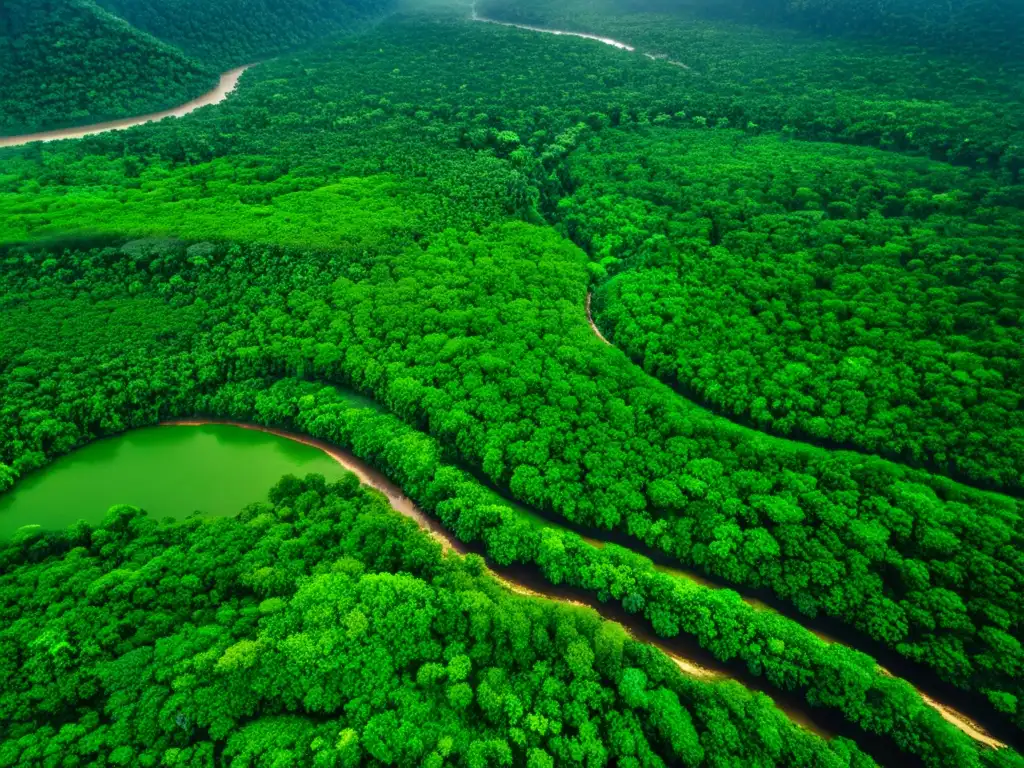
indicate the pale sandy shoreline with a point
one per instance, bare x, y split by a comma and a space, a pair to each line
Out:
228, 83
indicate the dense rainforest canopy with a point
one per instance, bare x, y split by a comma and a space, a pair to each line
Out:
850, 297
387, 241
73, 62
233, 32
67, 61
323, 629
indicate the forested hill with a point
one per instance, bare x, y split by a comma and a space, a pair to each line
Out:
77, 62
234, 32
961, 106
69, 62
982, 25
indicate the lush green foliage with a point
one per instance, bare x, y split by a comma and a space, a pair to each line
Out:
392, 164
67, 62
968, 109
324, 629
789, 657
563, 423
234, 32
987, 26
848, 296
509, 375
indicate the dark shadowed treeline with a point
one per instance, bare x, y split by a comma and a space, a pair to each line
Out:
229, 33
989, 26
67, 62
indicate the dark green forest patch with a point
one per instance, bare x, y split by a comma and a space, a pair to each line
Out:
68, 62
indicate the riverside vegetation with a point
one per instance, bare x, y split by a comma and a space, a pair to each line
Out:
75, 62
68, 63
320, 230
323, 629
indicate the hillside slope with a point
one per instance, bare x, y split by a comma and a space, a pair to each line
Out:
988, 27
69, 62
233, 32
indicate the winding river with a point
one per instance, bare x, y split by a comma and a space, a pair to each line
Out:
220, 466
228, 83
562, 32
949, 714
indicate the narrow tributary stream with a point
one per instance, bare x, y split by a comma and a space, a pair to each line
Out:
950, 715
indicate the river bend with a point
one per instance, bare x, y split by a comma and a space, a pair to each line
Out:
949, 714
584, 35
228, 83
523, 582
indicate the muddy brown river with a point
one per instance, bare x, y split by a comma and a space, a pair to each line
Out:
523, 581
228, 83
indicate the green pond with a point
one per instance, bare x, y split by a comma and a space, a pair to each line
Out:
176, 470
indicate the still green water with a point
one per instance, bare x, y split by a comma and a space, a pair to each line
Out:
165, 470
